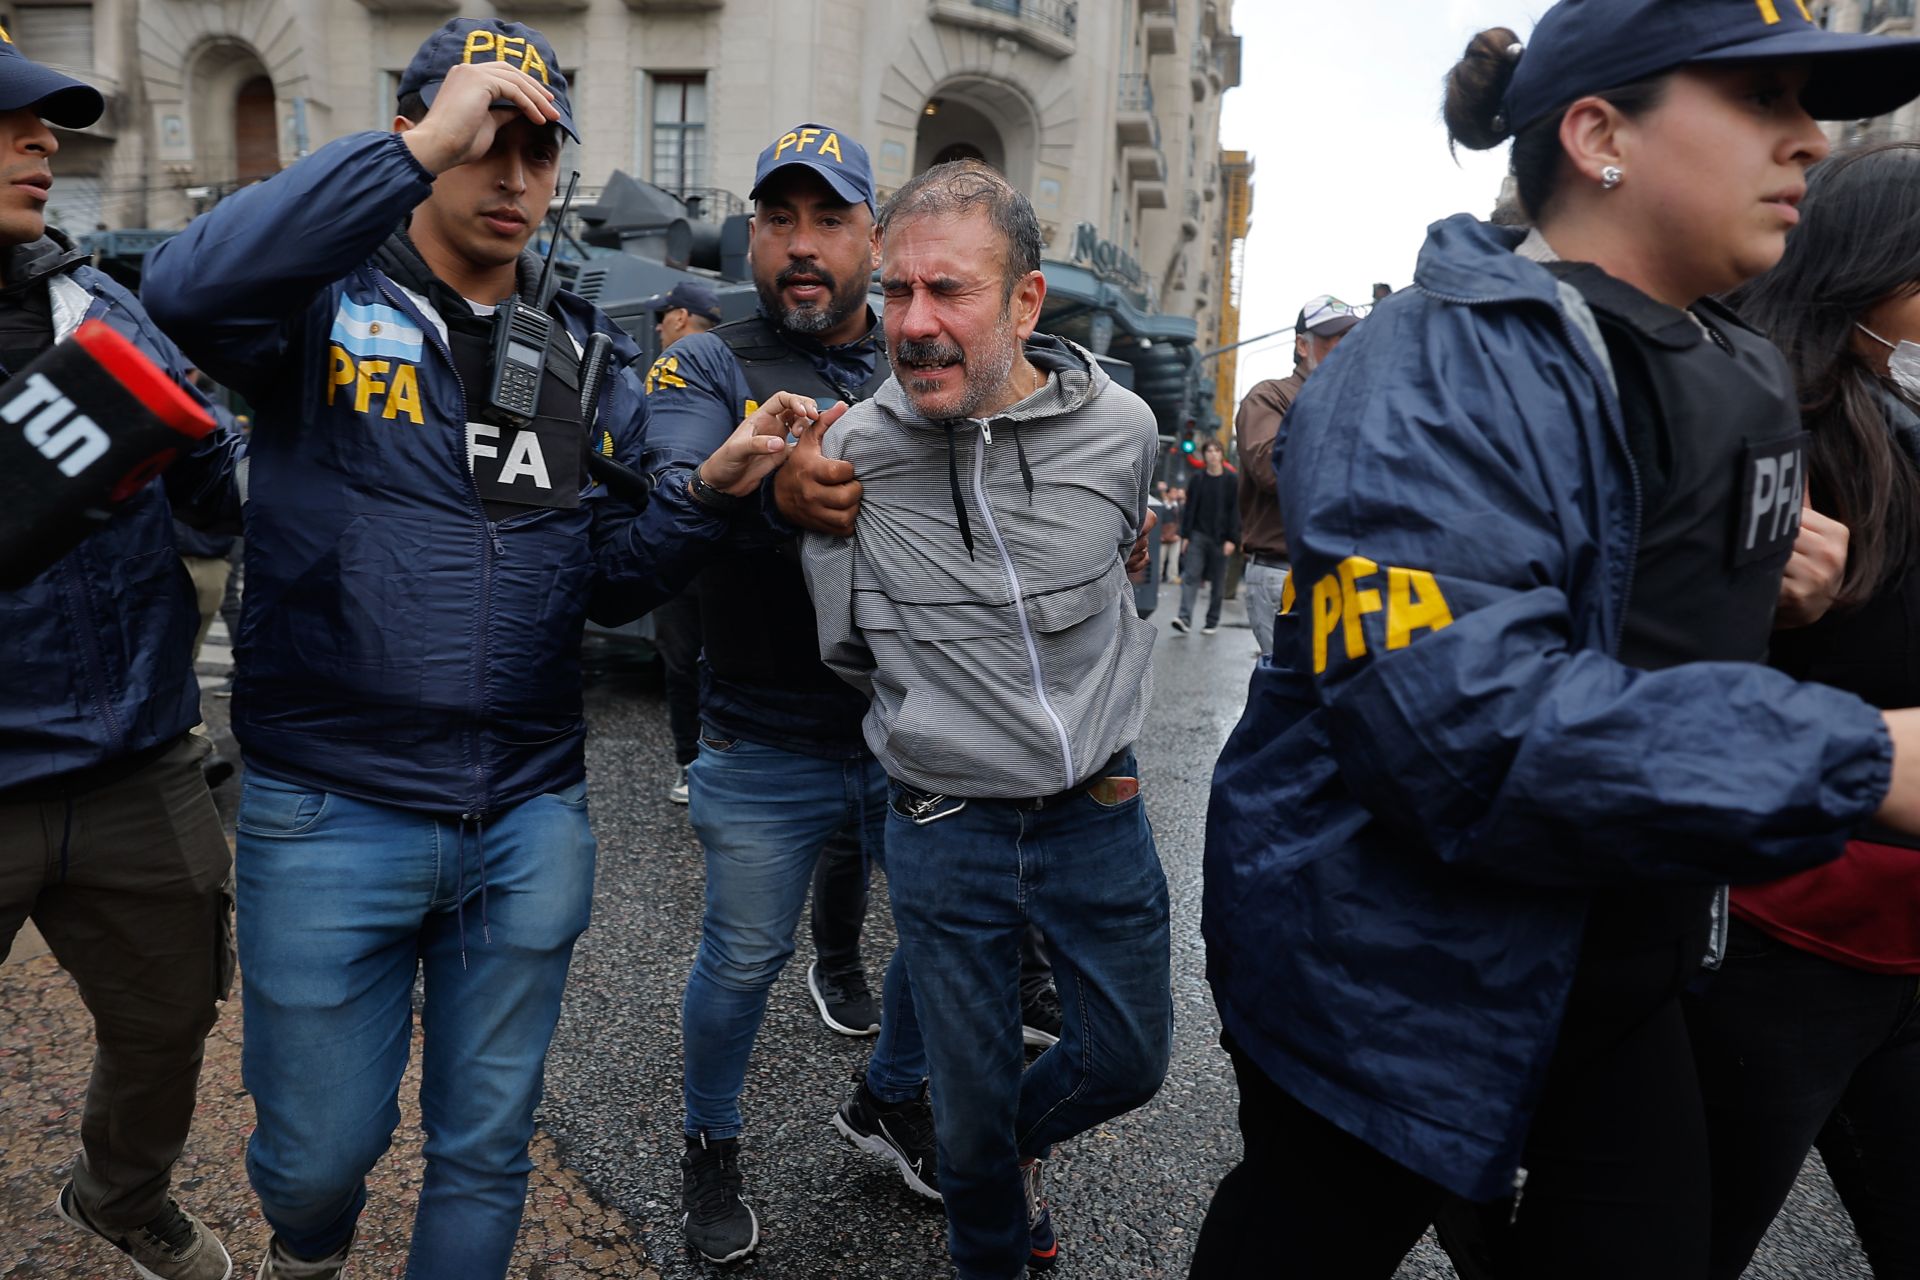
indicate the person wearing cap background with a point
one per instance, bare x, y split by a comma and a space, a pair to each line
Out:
1322, 323
771, 711
419, 571
1462, 847
109, 840
689, 307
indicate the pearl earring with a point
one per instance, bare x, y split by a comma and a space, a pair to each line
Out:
1612, 176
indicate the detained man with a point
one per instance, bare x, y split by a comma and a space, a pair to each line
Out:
982, 605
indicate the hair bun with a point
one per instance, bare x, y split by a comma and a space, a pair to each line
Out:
1477, 88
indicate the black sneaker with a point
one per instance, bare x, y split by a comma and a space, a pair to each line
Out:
844, 1000
1043, 1247
174, 1246
1040, 1020
1182, 625
898, 1131
719, 1225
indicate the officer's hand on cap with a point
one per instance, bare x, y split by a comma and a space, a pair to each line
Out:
1812, 580
759, 444
460, 124
814, 491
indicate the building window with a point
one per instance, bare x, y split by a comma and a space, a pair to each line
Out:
679, 132
60, 35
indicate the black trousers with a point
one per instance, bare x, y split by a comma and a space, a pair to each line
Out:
839, 902
1617, 1154
1796, 1051
676, 634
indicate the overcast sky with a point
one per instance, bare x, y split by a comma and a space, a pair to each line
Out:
1339, 104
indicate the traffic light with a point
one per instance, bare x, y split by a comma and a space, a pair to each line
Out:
1187, 443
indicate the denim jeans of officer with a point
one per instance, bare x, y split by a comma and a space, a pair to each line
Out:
341, 903
964, 890
763, 816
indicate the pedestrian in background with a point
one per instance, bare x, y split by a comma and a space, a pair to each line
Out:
1463, 846
1809, 1035
1322, 323
1209, 530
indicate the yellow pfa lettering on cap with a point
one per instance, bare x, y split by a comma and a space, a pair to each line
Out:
504, 48
4, 37
821, 140
1770, 12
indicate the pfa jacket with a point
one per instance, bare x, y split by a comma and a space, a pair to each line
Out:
397, 644
1444, 758
96, 654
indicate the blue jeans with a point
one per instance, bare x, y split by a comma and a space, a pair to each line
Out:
763, 816
341, 902
964, 890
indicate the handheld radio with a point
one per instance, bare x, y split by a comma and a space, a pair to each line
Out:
521, 332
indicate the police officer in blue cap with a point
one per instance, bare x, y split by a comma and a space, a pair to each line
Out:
687, 308
771, 708
109, 840
424, 545
1544, 513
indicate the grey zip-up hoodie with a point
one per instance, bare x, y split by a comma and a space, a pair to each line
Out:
983, 602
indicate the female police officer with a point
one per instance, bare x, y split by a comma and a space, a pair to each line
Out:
1462, 846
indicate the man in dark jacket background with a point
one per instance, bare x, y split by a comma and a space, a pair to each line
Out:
1323, 322
109, 840
1209, 528
420, 566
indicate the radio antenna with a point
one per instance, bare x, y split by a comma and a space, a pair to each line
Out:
553, 241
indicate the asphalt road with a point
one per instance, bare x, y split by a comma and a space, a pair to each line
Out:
1128, 1198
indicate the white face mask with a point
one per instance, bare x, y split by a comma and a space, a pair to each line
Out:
1903, 366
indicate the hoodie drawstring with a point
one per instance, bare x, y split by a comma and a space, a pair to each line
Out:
959, 500
460, 889
1020, 452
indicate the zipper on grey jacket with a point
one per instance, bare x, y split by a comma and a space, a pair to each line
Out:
1019, 600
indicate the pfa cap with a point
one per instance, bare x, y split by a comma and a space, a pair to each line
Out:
1588, 46
57, 99
1326, 317
828, 152
487, 40
698, 299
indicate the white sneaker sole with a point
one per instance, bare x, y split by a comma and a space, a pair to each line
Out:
886, 1151
737, 1254
1035, 1038
820, 1003
61, 1209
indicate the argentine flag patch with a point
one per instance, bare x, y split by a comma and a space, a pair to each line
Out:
372, 330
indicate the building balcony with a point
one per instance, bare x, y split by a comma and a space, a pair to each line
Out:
1160, 30
1156, 6
1135, 123
669, 6
1150, 195
553, 6
1050, 26
1226, 62
1145, 163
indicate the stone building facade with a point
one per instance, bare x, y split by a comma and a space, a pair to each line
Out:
1105, 112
